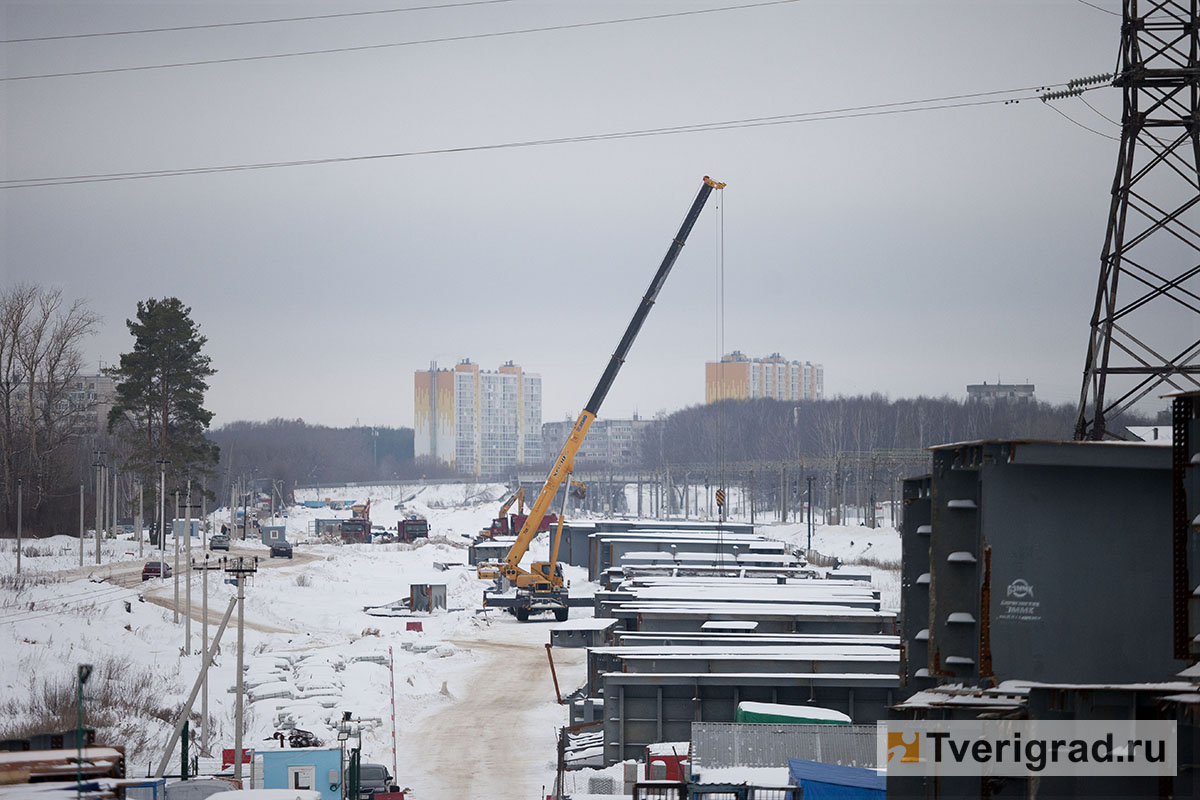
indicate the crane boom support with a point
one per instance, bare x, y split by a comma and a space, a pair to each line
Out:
565, 462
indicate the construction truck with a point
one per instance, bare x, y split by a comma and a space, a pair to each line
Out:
412, 528
357, 529
541, 587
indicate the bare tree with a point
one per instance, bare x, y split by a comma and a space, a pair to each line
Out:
40, 359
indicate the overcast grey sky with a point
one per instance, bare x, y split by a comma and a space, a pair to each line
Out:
909, 253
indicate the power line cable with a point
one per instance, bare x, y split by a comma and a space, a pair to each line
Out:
1065, 116
61, 604
1100, 114
882, 109
213, 25
1098, 8
437, 40
42, 613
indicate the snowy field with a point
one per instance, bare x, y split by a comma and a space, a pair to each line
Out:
312, 650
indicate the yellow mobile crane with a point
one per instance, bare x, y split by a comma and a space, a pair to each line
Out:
541, 588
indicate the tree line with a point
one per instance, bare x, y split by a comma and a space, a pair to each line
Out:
295, 453
774, 430
856, 450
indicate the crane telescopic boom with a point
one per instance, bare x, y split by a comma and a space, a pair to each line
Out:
563, 466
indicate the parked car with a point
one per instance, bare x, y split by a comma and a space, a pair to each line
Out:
218, 541
374, 779
281, 549
156, 569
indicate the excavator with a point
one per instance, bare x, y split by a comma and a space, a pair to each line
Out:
500, 525
541, 587
504, 524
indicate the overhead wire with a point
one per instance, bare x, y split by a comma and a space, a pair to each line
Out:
410, 43
62, 603
1098, 8
1099, 113
42, 613
244, 23
1068, 118
881, 109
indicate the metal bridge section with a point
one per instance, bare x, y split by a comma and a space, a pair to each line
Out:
1144, 340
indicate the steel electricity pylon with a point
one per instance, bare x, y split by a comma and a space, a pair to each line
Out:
1145, 340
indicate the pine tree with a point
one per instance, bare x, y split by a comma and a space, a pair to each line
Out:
159, 409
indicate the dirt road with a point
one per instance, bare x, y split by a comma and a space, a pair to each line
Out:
495, 741
162, 592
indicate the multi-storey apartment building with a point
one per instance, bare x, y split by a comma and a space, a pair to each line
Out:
611, 442
738, 377
93, 396
478, 421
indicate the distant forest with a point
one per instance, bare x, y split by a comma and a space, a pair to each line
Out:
735, 431
298, 454
773, 430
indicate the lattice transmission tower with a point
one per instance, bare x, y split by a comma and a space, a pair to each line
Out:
1147, 339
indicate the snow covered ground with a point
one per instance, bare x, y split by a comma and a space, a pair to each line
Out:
473, 694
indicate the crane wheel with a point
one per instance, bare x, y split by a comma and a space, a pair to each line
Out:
560, 614
522, 614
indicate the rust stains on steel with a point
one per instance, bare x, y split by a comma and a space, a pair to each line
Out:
985, 619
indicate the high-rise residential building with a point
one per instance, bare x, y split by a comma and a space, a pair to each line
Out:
610, 442
739, 377
477, 421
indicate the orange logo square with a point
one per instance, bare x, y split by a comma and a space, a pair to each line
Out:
904, 744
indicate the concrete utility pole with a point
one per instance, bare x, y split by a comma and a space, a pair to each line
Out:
162, 509
241, 568
137, 519
112, 520
810, 513
204, 569
81, 524
99, 505
19, 482
104, 521
186, 711
175, 573
187, 603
